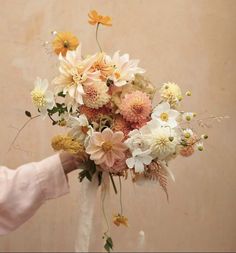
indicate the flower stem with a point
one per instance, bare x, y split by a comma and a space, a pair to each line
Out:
97, 37
113, 183
121, 205
21, 129
104, 212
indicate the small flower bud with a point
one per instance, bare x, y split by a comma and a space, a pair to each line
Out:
204, 136
188, 118
171, 138
188, 93
200, 148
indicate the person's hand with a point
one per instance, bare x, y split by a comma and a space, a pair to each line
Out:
69, 162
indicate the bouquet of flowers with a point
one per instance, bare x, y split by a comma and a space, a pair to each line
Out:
114, 128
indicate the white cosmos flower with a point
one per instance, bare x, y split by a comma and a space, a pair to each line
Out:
74, 72
165, 115
138, 160
81, 129
42, 98
124, 68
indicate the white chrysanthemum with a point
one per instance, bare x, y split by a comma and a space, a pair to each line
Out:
124, 68
138, 160
165, 115
96, 94
42, 98
81, 129
163, 142
171, 93
74, 73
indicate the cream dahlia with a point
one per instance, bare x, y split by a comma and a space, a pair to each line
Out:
136, 106
96, 94
164, 142
171, 93
106, 147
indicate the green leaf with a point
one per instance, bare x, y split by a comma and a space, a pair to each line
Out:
110, 242
28, 114
108, 245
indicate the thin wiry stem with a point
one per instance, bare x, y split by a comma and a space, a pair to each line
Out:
21, 129
104, 212
113, 183
97, 37
121, 205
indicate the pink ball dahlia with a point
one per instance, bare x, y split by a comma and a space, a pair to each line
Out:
120, 124
106, 147
187, 151
136, 106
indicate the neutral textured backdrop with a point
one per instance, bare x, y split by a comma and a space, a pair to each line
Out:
189, 42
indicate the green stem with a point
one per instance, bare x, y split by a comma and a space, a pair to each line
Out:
113, 183
97, 37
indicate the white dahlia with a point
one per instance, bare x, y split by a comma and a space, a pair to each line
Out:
164, 142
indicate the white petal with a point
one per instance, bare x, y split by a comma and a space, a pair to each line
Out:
139, 167
130, 162
147, 159
173, 114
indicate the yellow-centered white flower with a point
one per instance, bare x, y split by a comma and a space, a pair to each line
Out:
187, 133
165, 115
42, 98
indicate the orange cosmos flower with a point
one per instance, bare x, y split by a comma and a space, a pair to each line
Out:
95, 19
63, 42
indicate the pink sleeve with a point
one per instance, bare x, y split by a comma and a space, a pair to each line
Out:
24, 190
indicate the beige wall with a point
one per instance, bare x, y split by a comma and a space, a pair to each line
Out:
191, 42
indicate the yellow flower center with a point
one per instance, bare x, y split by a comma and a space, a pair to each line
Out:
117, 75
38, 98
107, 146
162, 142
164, 116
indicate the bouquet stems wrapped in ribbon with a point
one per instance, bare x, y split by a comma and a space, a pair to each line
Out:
114, 128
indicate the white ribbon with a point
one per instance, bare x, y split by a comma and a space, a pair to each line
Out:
86, 211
